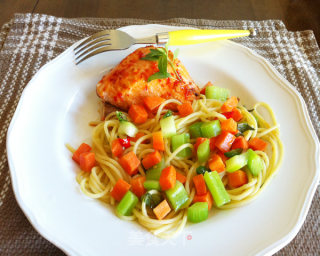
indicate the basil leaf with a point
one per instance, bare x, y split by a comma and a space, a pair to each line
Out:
150, 57
154, 54
161, 50
234, 152
242, 127
162, 64
121, 116
169, 113
158, 75
238, 134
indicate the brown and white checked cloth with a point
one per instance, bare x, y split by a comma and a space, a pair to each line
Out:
28, 41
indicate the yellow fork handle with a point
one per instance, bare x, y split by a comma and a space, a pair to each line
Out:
184, 37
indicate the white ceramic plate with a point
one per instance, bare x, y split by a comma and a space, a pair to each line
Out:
60, 100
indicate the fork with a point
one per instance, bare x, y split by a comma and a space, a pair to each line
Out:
108, 40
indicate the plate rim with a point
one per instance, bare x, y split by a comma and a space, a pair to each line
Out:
272, 72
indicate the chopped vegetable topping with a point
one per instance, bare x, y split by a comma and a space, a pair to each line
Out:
151, 200
168, 127
127, 203
168, 178
120, 189
233, 152
130, 163
202, 170
216, 164
242, 127
216, 187
151, 159
185, 109
198, 212
237, 179
162, 210
167, 114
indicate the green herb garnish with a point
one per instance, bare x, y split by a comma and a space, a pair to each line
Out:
121, 116
161, 55
202, 170
242, 127
167, 114
233, 152
152, 200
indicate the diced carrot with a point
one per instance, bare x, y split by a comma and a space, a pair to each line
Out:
216, 163
224, 141
152, 102
203, 90
198, 142
157, 141
138, 114
137, 185
116, 148
229, 125
151, 159
168, 178
130, 163
204, 198
240, 142
81, 149
237, 179
120, 189
138, 136
235, 114
212, 143
200, 184
185, 109
87, 161
230, 104
257, 144
223, 157
180, 177
162, 210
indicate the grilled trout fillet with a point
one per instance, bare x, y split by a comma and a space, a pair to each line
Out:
127, 83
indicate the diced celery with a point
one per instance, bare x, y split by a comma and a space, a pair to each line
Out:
152, 184
155, 171
203, 151
177, 196
127, 128
236, 162
255, 163
127, 203
198, 212
216, 187
168, 127
217, 93
195, 130
211, 129
179, 140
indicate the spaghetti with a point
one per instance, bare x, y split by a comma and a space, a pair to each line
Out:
100, 181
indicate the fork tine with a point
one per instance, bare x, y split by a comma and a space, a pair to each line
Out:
90, 43
92, 37
99, 50
91, 48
